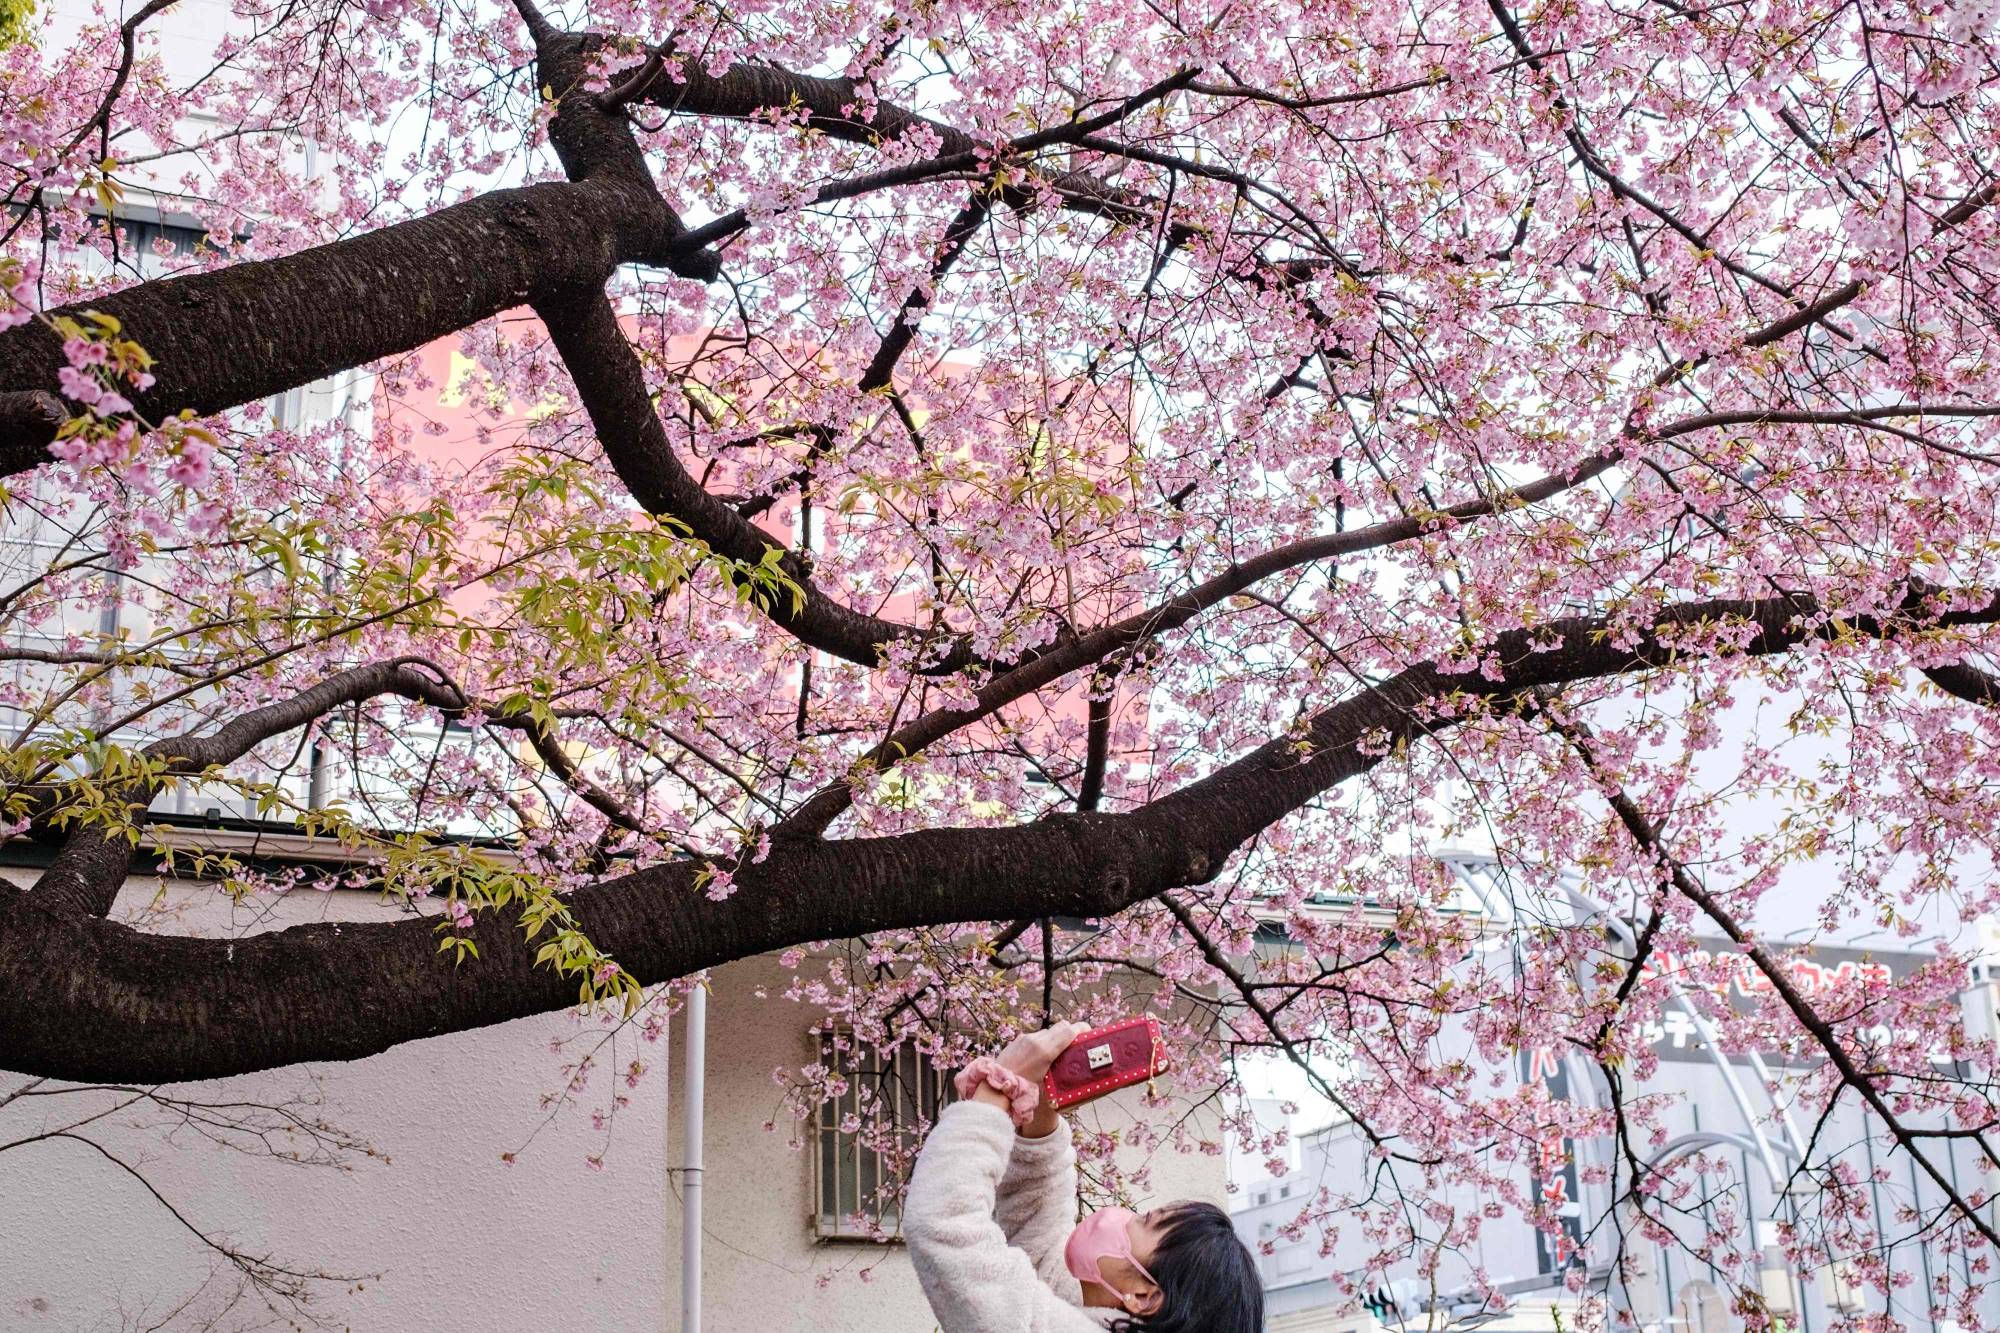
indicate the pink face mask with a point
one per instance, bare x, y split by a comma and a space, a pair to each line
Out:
1105, 1234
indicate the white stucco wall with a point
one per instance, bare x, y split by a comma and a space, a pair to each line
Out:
460, 1240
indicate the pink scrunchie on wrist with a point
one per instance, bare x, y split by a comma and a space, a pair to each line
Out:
1022, 1096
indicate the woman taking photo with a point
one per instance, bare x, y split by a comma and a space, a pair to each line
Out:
990, 1220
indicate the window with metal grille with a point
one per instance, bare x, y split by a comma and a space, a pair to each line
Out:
869, 1134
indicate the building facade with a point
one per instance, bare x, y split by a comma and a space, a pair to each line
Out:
1728, 1107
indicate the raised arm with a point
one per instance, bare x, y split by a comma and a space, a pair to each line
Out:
1037, 1203
975, 1281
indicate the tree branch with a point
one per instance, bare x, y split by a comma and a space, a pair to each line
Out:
100, 119
1646, 834
312, 314
87, 999
1246, 991
1043, 668
902, 332
86, 875
612, 386
29, 420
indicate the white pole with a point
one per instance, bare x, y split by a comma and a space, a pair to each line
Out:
697, 1034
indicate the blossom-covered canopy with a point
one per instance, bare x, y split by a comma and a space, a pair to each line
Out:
1025, 487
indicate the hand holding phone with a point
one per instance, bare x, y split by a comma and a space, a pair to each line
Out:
1104, 1060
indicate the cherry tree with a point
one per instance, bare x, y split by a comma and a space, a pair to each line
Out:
948, 470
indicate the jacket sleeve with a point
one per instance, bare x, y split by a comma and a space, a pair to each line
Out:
975, 1281
1037, 1204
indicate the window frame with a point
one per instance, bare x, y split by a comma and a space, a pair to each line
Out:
834, 1153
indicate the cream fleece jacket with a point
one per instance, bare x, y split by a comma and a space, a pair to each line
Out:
986, 1218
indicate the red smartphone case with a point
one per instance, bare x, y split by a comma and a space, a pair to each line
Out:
1104, 1060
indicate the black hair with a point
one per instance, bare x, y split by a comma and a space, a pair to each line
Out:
1207, 1278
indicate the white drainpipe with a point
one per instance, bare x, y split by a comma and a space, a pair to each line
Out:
697, 1037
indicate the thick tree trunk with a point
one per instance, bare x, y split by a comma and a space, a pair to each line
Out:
85, 998
238, 334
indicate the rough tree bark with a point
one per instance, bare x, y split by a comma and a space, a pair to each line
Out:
234, 335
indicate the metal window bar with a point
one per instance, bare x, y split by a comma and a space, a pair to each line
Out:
855, 1190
